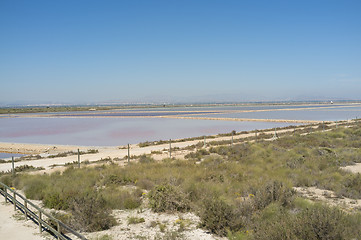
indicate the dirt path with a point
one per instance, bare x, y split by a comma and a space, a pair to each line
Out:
13, 225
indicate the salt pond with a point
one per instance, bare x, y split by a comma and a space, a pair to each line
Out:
114, 131
9, 155
119, 127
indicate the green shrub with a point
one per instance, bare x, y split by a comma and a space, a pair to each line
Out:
199, 154
121, 199
313, 222
145, 183
218, 217
168, 198
119, 179
145, 159
7, 180
53, 199
34, 188
352, 186
271, 192
135, 220
90, 213
321, 222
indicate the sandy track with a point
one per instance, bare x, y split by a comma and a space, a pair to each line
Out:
13, 229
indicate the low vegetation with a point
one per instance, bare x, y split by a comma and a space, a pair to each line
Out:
242, 191
42, 109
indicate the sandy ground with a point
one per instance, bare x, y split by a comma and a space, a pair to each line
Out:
330, 198
151, 227
14, 227
353, 168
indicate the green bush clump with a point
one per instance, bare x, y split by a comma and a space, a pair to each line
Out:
218, 217
119, 179
35, 187
145, 183
121, 199
197, 155
314, 222
55, 200
145, 159
135, 220
221, 217
89, 213
272, 192
168, 198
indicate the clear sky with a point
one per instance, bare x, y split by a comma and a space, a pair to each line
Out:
186, 50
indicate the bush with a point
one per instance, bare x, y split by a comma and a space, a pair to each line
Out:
218, 217
144, 183
197, 155
34, 188
121, 199
90, 213
314, 222
168, 198
135, 220
146, 159
53, 199
321, 222
271, 192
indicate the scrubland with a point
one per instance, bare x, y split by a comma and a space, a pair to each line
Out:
244, 191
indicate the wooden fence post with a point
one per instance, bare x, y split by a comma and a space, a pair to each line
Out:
40, 228
128, 153
275, 135
58, 228
13, 166
170, 148
26, 209
14, 200
78, 158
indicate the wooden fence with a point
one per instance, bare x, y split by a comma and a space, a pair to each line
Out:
31, 211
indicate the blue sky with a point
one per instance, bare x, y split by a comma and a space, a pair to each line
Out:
177, 51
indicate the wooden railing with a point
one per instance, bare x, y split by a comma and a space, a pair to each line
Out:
37, 214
